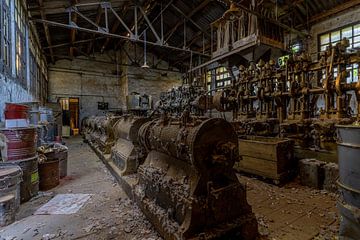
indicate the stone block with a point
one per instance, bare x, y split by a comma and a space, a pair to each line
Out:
311, 173
331, 174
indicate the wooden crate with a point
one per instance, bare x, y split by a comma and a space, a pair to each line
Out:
271, 158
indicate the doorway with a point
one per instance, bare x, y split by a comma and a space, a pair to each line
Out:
70, 109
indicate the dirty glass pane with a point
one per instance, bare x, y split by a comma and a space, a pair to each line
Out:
324, 39
346, 32
357, 29
335, 36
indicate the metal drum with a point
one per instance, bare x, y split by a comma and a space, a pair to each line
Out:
49, 174
63, 158
349, 180
29, 187
10, 178
20, 143
349, 163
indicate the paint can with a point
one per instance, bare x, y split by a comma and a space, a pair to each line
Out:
49, 175
20, 143
7, 210
29, 187
10, 179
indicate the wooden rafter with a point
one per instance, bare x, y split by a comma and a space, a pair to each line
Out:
193, 12
97, 21
73, 31
46, 29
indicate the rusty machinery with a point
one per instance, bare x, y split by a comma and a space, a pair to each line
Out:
302, 100
187, 186
184, 98
179, 170
126, 153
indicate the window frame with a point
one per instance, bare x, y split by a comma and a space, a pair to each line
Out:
353, 69
5, 37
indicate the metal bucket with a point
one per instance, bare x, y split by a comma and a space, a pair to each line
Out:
20, 143
349, 163
10, 179
63, 158
7, 210
29, 187
49, 175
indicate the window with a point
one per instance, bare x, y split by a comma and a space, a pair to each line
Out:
5, 36
33, 73
20, 57
217, 78
352, 33
222, 77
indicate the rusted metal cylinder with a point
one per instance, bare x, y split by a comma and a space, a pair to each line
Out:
191, 143
29, 186
10, 178
20, 143
349, 180
49, 175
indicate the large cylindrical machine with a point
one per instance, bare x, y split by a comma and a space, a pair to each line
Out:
187, 186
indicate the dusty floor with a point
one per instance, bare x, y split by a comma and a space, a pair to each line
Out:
289, 212
107, 215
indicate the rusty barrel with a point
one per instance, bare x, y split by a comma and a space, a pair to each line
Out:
49, 174
349, 180
62, 156
7, 210
29, 186
16, 111
10, 179
20, 143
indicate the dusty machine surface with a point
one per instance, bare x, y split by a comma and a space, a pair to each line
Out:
139, 104
126, 153
186, 97
302, 100
187, 186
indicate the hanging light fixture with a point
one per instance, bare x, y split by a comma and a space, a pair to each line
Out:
145, 63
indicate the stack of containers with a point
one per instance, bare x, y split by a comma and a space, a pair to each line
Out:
18, 146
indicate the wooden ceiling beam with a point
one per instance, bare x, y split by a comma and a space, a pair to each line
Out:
73, 31
97, 21
194, 11
47, 31
331, 12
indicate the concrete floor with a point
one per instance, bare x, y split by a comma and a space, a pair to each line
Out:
289, 212
107, 215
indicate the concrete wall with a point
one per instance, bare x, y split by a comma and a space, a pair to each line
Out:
109, 78
10, 91
92, 81
150, 81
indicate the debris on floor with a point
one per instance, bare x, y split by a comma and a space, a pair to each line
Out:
64, 204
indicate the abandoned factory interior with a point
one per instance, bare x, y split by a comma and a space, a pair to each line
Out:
180, 119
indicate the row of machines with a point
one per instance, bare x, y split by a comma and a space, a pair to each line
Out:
302, 100
178, 167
